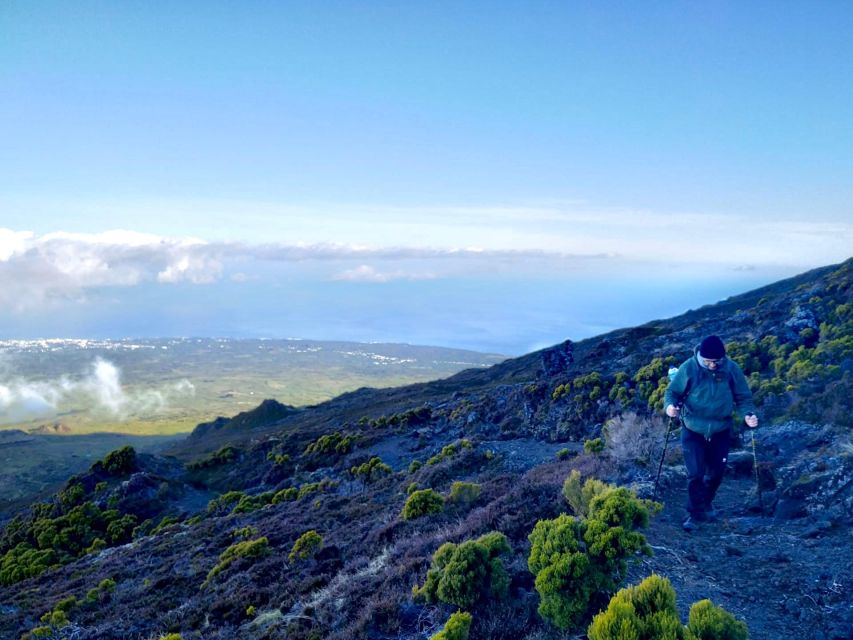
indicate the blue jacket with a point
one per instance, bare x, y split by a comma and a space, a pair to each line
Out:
709, 397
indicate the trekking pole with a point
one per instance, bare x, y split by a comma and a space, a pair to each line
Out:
663, 455
755, 468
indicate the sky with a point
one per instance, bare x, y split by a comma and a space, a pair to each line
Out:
498, 176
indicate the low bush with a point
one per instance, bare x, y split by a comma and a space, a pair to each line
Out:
579, 496
224, 455
468, 573
576, 560
370, 471
224, 503
594, 446
457, 627
463, 492
244, 549
306, 546
248, 504
422, 503
332, 443
648, 612
450, 450
706, 621
120, 462
286, 495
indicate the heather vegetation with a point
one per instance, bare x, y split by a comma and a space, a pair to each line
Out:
516, 510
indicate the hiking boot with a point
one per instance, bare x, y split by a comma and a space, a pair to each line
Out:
690, 524
711, 514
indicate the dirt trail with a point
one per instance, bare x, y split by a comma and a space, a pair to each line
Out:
785, 578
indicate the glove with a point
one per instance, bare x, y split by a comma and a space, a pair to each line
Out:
751, 420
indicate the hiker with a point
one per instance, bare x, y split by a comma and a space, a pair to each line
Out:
704, 391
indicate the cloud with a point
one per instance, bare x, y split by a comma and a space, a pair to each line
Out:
38, 271
99, 390
366, 273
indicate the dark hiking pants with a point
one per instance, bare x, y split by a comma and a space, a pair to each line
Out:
705, 461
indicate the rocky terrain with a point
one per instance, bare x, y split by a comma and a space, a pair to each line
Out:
210, 541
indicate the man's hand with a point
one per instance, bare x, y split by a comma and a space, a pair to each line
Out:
751, 420
672, 411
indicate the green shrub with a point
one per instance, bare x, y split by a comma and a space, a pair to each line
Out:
594, 446
370, 471
306, 546
251, 611
245, 532
580, 496
55, 618
66, 604
165, 522
244, 549
413, 486
278, 458
563, 454
23, 561
120, 462
97, 545
644, 612
707, 621
102, 591
574, 559
648, 612
333, 443
30, 546
224, 455
286, 495
456, 627
468, 573
450, 450
422, 503
248, 504
224, 503
464, 492
415, 465
314, 487
171, 636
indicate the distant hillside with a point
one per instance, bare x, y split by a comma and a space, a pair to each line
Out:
170, 385
318, 522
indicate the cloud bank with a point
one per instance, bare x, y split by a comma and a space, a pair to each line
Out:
99, 390
59, 267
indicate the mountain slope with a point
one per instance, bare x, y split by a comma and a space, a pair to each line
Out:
779, 555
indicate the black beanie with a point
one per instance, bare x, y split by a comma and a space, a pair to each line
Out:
712, 348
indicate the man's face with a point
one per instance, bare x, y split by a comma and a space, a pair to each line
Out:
712, 364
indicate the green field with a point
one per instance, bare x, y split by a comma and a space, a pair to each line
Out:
225, 376
41, 448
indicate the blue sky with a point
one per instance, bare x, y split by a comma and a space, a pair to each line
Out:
498, 175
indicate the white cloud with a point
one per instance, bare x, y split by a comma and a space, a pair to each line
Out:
57, 267
366, 273
98, 390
